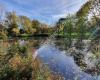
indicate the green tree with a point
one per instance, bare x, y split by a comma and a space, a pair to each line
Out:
35, 24
85, 9
13, 30
68, 29
12, 18
66, 26
26, 25
81, 28
12, 24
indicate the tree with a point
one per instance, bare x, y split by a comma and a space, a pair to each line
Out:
81, 28
3, 32
12, 18
26, 25
12, 23
60, 26
35, 24
91, 7
85, 9
68, 29
65, 27
13, 30
94, 22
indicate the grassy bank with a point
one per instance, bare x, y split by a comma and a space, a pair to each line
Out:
17, 64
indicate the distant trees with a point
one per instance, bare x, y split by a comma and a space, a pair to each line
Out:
26, 25
41, 28
35, 24
12, 23
12, 18
3, 32
13, 30
22, 25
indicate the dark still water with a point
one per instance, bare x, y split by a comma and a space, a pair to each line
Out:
54, 55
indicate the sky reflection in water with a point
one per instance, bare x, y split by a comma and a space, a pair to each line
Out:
63, 64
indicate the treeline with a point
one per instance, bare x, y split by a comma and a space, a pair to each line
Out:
80, 24
14, 25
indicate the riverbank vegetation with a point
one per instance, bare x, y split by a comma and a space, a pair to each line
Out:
18, 64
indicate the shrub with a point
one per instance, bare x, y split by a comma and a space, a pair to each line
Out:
14, 66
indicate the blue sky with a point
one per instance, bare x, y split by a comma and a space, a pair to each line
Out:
46, 11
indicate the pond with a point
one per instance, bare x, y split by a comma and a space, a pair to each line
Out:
57, 57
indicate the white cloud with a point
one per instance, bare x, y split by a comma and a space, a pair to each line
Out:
46, 10
59, 16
